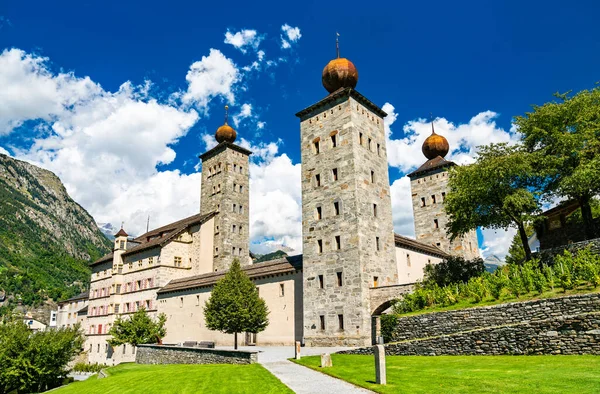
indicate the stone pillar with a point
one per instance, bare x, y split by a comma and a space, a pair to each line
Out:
326, 360
375, 330
297, 355
380, 376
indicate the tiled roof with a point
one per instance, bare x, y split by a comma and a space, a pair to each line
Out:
169, 232
81, 296
121, 233
412, 244
564, 207
221, 147
340, 93
83, 310
430, 165
288, 264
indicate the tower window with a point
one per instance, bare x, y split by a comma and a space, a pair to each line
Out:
334, 141
375, 281
339, 278
378, 148
235, 187
321, 282
234, 208
341, 322
369, 144
235, 168
240, 252
318, 180
360, 138
436, 224
377, 243
338, 242
281, 290
233, 228
320, 246
375, 210
233, 251
319, 216
438, 244
443, 196
241, 210
408, 260
372, 176
316, 147
422, 201
334, 174
322, 322
336, 208
433, 198
240, 229
241, 188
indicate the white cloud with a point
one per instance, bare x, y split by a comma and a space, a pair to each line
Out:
30, 91
244, 38
245, 113
4, 151
212, 76
290, 36
405, 154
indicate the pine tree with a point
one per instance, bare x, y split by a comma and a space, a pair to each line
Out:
234, 305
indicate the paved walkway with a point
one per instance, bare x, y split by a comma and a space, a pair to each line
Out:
300, 379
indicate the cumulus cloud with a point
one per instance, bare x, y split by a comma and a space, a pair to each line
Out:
4, 151
405, 154
244, 113
214, 75
290, 36
243, 39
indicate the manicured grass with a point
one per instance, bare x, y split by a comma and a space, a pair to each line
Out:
150, 379
506, 297
469, 374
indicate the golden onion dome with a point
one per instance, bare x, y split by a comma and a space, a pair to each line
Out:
435, 145
339, 73
225, 132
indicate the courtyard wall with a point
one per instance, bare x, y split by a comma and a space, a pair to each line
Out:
163, 354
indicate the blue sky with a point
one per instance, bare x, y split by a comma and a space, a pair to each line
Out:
125, 152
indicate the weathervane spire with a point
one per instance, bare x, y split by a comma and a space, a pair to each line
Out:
337, 44
431, 119
226, 113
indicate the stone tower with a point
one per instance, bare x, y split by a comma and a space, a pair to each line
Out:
347, 231
225, 189
429, 185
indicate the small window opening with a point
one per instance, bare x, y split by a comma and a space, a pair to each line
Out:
436, 224
339, 278
319, 213
316, 146
321, 282
372, 176
318, 179
320, 246
377, 243
338, 242
375, 281
336, 208
281, 290
334, 141
408, 260
443, 196
433, 199
360, 138
334, 172
375, 210
369, 144
378, 148
422, 201
341, 321
322, 322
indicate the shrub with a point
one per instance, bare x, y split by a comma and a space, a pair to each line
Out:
388, 323
453, 270
85, 367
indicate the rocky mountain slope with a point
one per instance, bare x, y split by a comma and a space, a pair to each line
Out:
46, 238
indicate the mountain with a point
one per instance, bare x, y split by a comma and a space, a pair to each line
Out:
108, 230
492, 263
46, 238
270, 256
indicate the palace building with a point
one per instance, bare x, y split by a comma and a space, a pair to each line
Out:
352, 266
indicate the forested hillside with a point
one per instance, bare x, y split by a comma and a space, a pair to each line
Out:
46, 238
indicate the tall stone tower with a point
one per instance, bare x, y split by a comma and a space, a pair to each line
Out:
429, 185
225, 189
347, 231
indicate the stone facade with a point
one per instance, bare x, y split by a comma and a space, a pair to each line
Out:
450, 322
348, 240
158, 354
429, 190
225, 190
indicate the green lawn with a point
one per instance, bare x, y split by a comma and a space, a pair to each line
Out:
149, 379
469, 374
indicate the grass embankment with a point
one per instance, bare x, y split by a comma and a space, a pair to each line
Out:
506, 298
469, 374
159, 379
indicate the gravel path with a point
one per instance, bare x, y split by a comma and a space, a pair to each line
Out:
300, 379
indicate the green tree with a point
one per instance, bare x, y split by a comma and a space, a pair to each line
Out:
138, 329
497, 191
564, 138
35, 361
516, 253
234, 305
452, 269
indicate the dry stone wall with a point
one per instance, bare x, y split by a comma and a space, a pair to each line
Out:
162, 354
444, 323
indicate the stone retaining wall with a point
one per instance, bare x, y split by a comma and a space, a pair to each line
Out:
559, 335
444, 323
547, 255
161, 354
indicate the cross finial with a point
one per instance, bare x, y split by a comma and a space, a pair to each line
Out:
122, 224
337, 44
226, 113
431, 118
